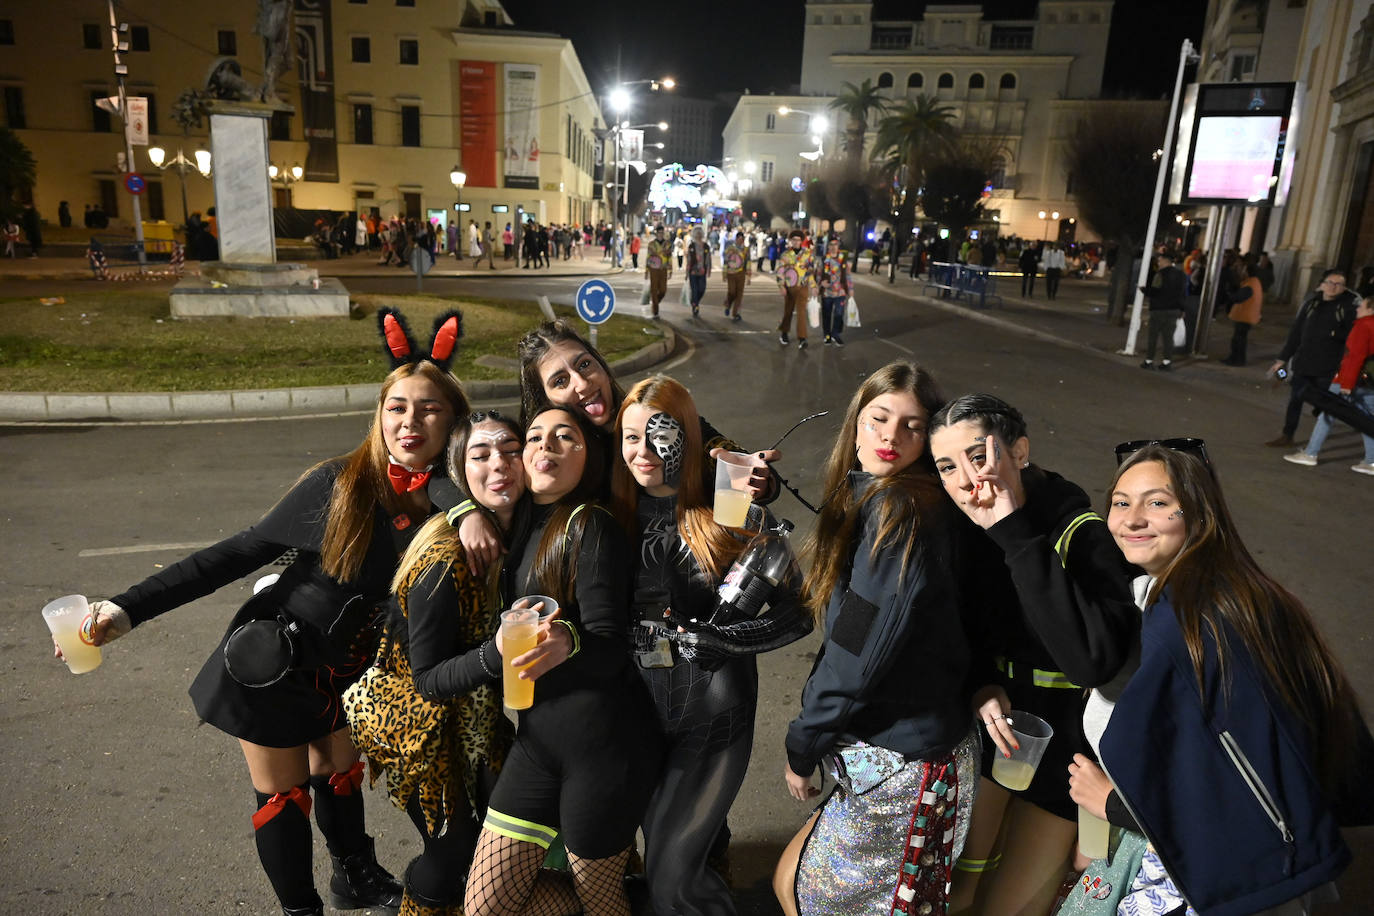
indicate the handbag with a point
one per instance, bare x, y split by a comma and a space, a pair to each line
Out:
1180, 333
813, 312
1106, 882
260, 652
851, 314
398, 729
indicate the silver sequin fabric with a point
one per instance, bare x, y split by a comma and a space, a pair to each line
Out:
851, 862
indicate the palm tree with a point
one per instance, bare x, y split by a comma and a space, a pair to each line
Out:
856, 103
908, 138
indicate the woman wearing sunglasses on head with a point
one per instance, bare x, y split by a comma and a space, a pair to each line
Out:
1059, 615
704, 679
1233, 740
587, 751
885, 706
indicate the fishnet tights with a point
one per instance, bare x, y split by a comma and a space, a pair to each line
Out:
506, 880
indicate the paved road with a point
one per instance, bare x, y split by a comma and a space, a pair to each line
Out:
118, 803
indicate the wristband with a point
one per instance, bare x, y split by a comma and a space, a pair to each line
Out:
460, 510
576, 639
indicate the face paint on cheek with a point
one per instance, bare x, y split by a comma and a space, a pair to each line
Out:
666, 437
1178, 514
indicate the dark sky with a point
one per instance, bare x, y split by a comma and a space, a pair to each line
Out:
714, 46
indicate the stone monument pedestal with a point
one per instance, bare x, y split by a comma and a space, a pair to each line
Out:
247, 280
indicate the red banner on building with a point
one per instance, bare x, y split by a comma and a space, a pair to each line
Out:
477, 112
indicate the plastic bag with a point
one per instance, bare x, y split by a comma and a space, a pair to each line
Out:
851, 314
813, 312
686, 292
644, 296
1180, 334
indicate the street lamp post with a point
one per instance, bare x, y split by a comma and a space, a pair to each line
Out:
286, 176
1045, 218
620, 100
158, 157
459, 178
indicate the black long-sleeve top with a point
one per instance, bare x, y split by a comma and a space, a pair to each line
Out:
1316, 341
891, 671
1167, 289
452, 647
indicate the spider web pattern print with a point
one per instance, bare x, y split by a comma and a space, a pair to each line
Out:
701, 712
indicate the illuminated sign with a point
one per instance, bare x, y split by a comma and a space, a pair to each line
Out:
798, 185
675, 187
1235, 144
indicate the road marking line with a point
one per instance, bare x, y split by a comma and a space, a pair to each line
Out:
142, 548
906, 350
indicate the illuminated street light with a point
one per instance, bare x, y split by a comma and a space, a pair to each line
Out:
457, 177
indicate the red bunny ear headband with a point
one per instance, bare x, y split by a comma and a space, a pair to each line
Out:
399, 343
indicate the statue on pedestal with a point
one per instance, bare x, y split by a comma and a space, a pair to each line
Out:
274, 26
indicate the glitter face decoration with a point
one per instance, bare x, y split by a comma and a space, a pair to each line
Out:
666, 437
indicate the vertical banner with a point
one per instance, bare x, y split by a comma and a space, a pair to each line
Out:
137, 125
477, 119
315, 63
631, 145
598, 163
522, 126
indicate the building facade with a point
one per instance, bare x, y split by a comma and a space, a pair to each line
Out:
1024, 84
390, 98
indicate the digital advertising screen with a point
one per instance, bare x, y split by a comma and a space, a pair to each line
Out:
1235, 144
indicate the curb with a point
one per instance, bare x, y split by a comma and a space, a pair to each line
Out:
85, 274
131, 406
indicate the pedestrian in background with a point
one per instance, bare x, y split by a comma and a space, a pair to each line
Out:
1165, 293
634, 251
735, 264
797, 282
1054, 270
658, 267
698, 268
1246, 302
507, 242
1029, 262
1353, 380
836, 288
1315, 345
33, 228
64, 215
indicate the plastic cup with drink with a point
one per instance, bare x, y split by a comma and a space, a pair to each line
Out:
1033, 735
519, 634
733, 496
545, 605
69, 620
1094, 834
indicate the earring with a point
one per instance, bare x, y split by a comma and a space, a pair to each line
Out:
1025, 464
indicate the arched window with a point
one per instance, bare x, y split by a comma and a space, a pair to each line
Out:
946, 81
976, 81
1008, 81
915, 81
884, 80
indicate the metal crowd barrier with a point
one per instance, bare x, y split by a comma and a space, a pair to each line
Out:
974, 281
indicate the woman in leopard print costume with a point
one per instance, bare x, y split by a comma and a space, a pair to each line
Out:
444, 639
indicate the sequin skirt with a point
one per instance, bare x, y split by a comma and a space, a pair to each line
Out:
887, 835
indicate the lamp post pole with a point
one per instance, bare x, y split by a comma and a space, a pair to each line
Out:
121, 69
459, 178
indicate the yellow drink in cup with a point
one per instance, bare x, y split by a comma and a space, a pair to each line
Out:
1033, 734
1094, 834
519, 634
733, 470
69, 620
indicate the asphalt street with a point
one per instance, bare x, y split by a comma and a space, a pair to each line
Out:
119, 803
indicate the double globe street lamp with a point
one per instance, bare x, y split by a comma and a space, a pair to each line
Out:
158, 157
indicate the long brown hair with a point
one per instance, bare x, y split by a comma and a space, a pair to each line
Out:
361, 482
905, 496
555, 561
712, 545
1216, 585
533, 347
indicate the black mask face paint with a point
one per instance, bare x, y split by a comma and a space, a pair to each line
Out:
667, 438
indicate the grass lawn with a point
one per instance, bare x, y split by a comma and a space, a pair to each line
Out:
126, 341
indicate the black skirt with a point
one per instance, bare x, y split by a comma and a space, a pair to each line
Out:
305, 705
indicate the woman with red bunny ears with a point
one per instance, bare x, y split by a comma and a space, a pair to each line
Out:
276, 679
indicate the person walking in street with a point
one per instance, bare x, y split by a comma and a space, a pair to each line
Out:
1246, 302
1029, 262
1315, 345
836, 288
679, 248
1054, 270
698, 268
33, 228
507, 242
634, 251
796, 276
1165, 293
735, 263
1355, 380
658, 267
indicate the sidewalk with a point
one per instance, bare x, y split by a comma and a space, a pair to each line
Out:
359, 265
1077, 318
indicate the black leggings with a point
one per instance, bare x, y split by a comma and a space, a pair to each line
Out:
709, 720
439, 873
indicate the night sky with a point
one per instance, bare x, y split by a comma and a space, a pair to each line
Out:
714, 46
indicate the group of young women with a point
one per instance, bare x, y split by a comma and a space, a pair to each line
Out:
1226, 725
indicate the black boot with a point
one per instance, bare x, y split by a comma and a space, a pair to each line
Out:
360, 882
303, 910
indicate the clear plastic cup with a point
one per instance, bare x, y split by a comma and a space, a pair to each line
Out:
533, 602
1033, 734
1094, 834
519, 634
69, 620
731, 507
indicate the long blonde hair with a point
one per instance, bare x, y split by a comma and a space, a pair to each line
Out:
1215, 584
361, 483
712, 545
905, 496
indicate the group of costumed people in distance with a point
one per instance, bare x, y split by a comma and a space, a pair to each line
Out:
956, 585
